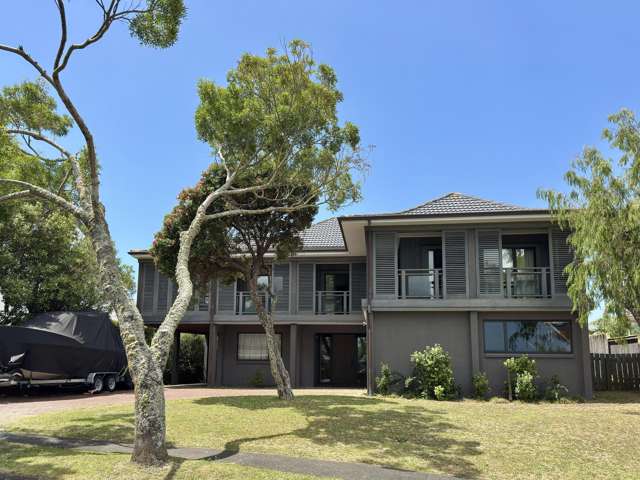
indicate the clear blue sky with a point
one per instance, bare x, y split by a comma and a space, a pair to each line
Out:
490, 98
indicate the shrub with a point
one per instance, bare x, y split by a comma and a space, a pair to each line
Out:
388, 382
480, 385
432, 368
555, 391
439, 392
516, 366
525, 388
257, 381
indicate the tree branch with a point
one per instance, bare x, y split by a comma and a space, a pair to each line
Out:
20, 51
15, 195
40, 137
45, 194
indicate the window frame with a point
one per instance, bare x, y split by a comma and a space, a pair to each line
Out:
254, 360
506, 352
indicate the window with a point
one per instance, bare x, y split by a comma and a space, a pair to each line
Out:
253, 346
527, 336
518, 257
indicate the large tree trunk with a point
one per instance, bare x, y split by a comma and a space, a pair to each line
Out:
146, 371
278, 370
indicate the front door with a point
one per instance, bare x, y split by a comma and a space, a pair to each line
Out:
341, 360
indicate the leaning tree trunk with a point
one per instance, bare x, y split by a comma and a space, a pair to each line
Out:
278, 369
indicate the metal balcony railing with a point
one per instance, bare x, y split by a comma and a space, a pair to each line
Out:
246, 306
420, 283
529, 282
332, 302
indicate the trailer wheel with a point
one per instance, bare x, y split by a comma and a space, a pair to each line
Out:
98, 383
110, 383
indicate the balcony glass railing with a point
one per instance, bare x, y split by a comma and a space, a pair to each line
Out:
245, 304
529, 282
420, 283
332, 302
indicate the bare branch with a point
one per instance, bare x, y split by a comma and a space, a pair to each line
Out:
40, 137
15, 195
257, 211
45, 194
20, 51
63, 33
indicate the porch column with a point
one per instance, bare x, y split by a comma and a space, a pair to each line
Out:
293, 354
474, 328
212, 355
176, 355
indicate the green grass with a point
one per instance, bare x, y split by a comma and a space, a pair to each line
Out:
56, 463
469, 439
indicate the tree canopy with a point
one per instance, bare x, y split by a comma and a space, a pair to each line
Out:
602, 212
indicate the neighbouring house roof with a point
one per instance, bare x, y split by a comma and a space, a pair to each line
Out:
327, 235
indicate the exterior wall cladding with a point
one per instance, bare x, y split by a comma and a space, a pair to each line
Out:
367, 290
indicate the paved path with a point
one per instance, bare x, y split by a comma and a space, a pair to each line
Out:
17, 406
280, 463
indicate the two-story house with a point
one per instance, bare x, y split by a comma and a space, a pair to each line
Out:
484, 279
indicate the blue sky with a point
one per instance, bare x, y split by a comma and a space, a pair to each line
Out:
490, 98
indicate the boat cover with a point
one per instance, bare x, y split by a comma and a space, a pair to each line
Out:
62, 345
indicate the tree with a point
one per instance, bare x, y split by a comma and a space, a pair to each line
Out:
32, 119
602, 212
616, 326
282, 110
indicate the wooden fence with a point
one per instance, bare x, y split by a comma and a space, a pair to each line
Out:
616, 371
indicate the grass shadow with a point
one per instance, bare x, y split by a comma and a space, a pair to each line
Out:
613, 397
393, 433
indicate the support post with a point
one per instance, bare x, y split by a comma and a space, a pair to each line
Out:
474, 328
212, 355
293, 354
175, 379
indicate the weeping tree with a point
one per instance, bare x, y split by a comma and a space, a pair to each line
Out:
277, 113
602, 211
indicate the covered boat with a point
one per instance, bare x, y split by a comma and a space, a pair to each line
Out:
61, 346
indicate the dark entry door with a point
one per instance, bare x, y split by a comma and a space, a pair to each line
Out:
341, 360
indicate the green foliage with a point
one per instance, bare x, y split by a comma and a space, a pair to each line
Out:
615, 325
525, 388
388, 382
602, 210
257, 381
190, 362
159, 25
275, 123
555, 391
432, 368
481, 386
519, 366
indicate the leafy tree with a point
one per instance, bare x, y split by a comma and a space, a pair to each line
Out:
278, 116
602, 211
31, 118
616, 326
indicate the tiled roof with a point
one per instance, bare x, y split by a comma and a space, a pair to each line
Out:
461, 204
325, 235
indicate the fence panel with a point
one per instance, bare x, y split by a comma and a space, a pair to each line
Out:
616, 371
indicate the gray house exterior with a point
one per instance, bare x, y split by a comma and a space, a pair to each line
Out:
484, 279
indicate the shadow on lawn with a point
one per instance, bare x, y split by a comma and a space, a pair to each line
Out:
17, 461
385, 436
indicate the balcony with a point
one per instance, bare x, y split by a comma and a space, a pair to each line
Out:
329, 302
246, 306
423, 283
530, 282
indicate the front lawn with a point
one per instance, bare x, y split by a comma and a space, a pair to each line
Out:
469, 439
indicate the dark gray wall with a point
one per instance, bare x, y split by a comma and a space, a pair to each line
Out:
569, 367
396, 335
238, 373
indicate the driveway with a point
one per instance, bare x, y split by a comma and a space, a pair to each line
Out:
14, 407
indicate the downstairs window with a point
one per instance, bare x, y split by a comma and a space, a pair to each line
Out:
527, 336
253, 346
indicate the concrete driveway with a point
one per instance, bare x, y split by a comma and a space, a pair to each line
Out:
15, 406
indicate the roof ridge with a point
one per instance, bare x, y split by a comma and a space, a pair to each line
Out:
442, 197
492, 201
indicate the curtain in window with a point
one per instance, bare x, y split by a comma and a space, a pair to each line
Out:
253, 346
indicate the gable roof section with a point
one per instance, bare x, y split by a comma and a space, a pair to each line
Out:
325, 235
460, 204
